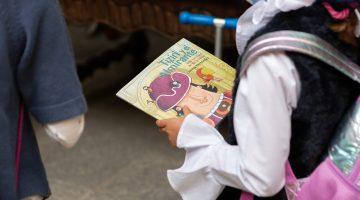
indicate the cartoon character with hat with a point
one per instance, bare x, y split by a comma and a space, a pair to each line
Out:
175, 91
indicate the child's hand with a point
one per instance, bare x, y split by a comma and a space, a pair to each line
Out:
172, 126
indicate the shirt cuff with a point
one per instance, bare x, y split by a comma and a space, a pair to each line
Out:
193, 180
199, 139
195, 133
62, 111
66, 132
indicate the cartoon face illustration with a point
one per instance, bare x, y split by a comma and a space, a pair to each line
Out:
173, 92
199, 100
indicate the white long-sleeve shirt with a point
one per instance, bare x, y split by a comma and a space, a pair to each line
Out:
267, 94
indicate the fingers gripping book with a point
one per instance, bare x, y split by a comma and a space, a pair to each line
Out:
184, 75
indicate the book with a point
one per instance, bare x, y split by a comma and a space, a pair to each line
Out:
184, 75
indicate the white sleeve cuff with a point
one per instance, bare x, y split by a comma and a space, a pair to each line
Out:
199, 139
194, 180
195, 133
66, 132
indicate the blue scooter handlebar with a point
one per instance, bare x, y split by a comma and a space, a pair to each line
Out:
205, 20
231, 23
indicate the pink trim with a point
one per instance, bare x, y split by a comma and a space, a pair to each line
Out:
18, 144
335, 170
246, 196
289, 174
355, 174
337, 15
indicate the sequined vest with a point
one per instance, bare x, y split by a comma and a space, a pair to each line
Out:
326, 94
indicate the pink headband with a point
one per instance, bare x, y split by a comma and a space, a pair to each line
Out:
337, 15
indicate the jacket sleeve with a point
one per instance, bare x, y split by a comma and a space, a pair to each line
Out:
46, 74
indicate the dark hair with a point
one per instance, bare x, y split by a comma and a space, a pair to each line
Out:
345, 28
210, 88
207, 87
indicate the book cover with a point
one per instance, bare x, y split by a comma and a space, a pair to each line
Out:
184, 75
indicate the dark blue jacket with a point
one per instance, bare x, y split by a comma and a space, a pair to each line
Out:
36, 68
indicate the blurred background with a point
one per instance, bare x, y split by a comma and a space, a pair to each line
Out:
121, 155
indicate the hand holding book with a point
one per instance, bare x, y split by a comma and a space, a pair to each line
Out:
172, 126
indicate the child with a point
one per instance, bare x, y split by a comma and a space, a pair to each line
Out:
37, 77
287, 107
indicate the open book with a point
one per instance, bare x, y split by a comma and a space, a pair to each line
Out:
184, 75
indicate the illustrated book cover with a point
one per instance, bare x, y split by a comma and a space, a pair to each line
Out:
184, 75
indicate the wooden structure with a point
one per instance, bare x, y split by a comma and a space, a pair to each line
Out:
134, 16
157, 15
